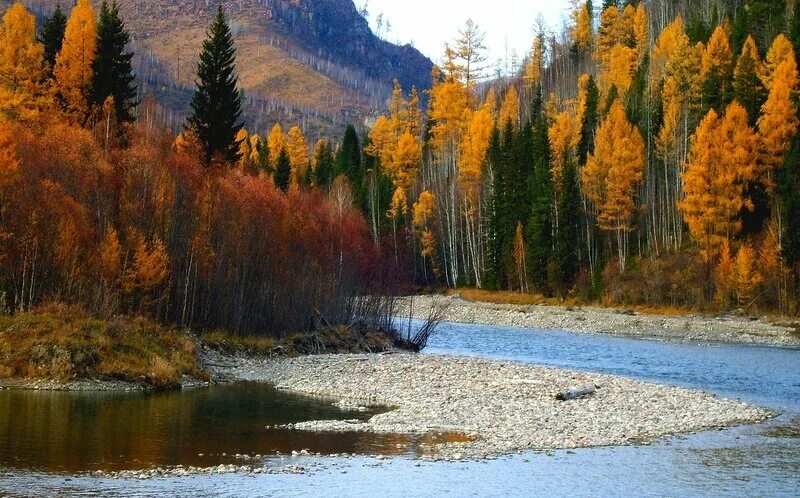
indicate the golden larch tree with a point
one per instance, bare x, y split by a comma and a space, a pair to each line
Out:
276, 142
780, 50
613, 174
581, 25
778, 123
509, 111
297, 148
535, 63
23, 92
73, 69
722, 161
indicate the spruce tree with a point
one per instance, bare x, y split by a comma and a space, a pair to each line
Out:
112, 68
52, 35
748, 89
494, 268
216, 104
283, 170
539, 231
789, 191
323, 173
589, 123
794, 27
349, 163
567, 241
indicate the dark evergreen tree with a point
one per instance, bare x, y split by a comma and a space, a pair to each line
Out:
539, 230
494, 156
766, 19
789, 192
740, 30
113, 72
794, 27
589, 123
349, 163
748, 89
566, 255
610, 3
52, 35
323, 173
216, 104
283, 170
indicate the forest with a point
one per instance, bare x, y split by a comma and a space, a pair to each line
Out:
101, 207
646, 154
643, 154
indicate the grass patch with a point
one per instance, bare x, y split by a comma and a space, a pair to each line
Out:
65, 343
524, 299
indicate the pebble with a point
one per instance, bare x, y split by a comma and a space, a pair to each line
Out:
497, 407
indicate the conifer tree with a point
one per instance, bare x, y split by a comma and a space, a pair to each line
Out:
539, 230
567, 242
73, 70
52, 35
112, 68
283, 170
323, 164
747, 86
216, 104
716, 72
589, 121
494, 270
348, 163
22, 73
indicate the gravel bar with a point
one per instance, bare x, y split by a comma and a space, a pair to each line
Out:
593, 320
504, 407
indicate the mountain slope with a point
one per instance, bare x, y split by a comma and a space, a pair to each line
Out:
313, 62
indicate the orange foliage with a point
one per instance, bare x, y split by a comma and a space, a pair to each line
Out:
73, 69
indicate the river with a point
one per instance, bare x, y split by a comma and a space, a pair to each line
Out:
48, 440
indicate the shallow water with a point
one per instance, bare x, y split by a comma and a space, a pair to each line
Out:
761, 460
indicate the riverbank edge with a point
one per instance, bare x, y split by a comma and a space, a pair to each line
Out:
594, 320
334, 380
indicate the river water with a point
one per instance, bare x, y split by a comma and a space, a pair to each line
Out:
47, 440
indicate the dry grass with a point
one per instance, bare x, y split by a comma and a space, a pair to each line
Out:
64, 343
223, 341
523, 299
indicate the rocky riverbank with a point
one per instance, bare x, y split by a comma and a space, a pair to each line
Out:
501, 407
593, 320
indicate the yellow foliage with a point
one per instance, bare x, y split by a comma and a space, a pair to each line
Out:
110, 256
780, 50
641, 34
448, 100
564, 135
615, 170
672, 105
581, 26
150, 266
778, 123
424, 209
724, 278
405, 161
509, 111
533, 67
276, 142
382, 141
22, 73
73, 69
721, 162
619, 68
472, 152
717, 58
297, 148
607, 35
747, 276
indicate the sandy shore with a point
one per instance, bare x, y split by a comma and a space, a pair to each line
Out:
503, 407
594, 320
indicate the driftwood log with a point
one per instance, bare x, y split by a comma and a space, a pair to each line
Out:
575, 393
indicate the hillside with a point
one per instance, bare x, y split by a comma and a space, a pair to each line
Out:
313, 62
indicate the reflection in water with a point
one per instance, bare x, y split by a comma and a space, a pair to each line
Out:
73, 432
761, 460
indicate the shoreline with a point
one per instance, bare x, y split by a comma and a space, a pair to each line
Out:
501, 407
604, 321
